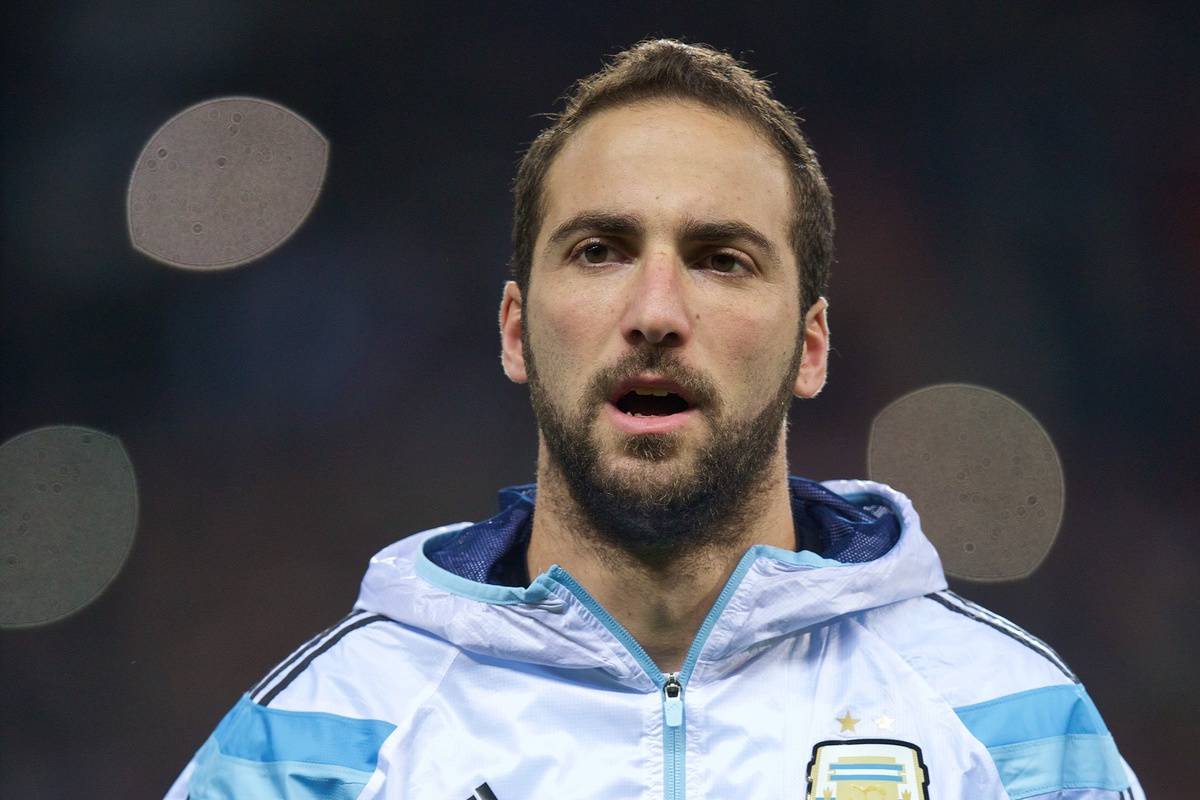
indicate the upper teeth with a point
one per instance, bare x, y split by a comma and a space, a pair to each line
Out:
654, 392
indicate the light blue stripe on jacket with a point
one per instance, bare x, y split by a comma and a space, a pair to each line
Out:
1047, 740
296, 755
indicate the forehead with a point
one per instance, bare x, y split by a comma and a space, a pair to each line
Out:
670, 160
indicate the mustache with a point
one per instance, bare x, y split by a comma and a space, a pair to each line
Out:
660, 361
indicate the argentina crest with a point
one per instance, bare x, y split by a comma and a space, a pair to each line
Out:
867, 769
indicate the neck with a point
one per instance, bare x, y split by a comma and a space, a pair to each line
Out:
661, 603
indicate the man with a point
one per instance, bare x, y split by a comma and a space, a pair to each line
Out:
666, 613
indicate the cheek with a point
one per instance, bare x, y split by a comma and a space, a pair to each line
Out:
566, 321
567, 334
579, 310
756, 347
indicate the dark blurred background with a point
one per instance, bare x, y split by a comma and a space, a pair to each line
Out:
1017, 191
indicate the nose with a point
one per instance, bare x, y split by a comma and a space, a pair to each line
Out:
656, 310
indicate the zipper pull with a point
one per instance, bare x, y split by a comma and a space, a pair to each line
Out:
673, 701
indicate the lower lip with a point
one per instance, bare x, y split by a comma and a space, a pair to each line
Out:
668, 423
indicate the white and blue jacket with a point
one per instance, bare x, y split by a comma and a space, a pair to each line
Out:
843, 670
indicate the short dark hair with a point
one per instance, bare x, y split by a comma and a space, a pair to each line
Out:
667, 68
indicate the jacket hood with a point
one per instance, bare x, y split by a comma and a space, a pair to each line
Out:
859, 546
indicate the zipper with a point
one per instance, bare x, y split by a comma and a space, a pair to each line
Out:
673, 741
673, 701
672, 684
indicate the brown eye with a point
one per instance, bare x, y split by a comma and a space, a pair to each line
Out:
595, 253
724, 263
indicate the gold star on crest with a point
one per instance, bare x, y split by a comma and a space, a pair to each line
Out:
884, 723
847, 722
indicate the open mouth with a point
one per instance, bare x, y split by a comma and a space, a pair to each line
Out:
642, 402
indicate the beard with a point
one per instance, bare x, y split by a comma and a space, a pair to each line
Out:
692, 507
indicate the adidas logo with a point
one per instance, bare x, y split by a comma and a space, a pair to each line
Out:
483, 792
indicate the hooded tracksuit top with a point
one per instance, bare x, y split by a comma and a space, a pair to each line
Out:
843, 670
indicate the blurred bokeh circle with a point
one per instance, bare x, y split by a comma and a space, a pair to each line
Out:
224, 182
68, 515
982, 472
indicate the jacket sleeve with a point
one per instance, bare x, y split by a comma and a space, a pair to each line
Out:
297, 734
1050, 743
264, 752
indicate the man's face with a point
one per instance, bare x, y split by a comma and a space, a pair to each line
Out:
662, 265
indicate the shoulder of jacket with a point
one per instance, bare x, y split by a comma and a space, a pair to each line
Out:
355, 668
966, 652
1011, 692
320, 717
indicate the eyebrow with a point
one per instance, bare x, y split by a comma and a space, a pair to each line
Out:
610, 223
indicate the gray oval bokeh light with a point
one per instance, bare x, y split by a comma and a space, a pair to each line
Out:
68, 516
224, 182
983, 474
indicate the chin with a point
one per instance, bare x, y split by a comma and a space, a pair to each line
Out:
651, 448
648, 462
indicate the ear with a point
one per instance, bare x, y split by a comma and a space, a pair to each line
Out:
810, 378
512, 355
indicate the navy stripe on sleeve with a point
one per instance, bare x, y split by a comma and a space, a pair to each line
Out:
312, 655
301, 651
981, 615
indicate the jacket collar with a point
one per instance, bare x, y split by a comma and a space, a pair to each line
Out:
493, 551
864, 549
